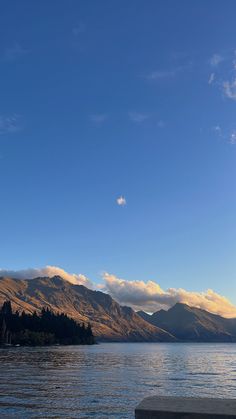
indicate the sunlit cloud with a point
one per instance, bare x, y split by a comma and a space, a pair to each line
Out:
121, 201
149, 296
47, 271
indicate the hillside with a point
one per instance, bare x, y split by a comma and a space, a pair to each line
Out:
193, 324
108, 319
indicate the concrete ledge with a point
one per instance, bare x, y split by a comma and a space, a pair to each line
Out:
185, 408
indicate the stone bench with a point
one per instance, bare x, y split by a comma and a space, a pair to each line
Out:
185, 408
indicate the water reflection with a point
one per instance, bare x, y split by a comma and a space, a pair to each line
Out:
108, 380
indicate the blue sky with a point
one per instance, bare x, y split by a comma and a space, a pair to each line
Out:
104, 99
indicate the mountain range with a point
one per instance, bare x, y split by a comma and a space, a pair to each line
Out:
109, 320
193, 324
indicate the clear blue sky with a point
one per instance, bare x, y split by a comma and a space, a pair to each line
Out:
105, 98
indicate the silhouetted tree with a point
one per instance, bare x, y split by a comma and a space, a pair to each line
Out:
46, 328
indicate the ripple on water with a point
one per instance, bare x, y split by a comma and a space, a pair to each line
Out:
108, 380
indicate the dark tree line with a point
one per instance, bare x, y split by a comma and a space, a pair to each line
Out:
46, 328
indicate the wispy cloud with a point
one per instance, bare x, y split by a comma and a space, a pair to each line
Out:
229, 89
228, 136
157, 75
166, 74
216, 59
138, 116
226, 75
161, 124
121, 201
14, 52
9, 124
78, 29
47, 271
98, 118
211, 78
151, 297
228, 86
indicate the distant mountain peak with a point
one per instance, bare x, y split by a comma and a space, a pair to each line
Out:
193, 324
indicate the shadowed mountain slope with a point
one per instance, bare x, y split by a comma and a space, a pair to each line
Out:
108, 319
193, 324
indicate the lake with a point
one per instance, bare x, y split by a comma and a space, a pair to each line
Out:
108, 380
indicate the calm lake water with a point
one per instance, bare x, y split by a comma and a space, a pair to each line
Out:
108, 380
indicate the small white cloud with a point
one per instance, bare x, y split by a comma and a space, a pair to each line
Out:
216, 59
217, 129
138, 117
9, 124
232, 139
211, 78
121, 201
98, 118
229, 89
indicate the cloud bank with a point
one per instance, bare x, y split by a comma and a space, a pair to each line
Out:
47, 271
140, 295
151, 297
